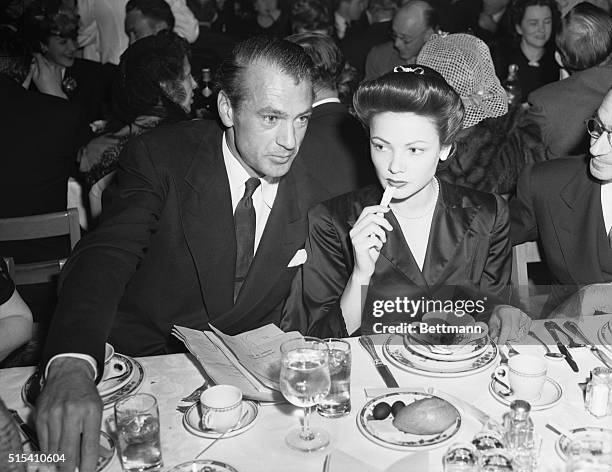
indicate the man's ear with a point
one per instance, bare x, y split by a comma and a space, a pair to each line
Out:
226, 112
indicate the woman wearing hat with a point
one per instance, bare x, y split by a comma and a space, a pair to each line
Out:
433, 241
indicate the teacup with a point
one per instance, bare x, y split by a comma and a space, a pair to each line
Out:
220, 408
525, 374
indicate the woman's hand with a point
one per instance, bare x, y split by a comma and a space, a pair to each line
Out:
368, 236
508, 323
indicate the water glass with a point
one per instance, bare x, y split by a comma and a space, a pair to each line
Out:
338, 401
460, 457
591, 454
137, 420
304, 381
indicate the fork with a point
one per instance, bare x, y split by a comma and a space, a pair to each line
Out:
195, 395
511, 350
326, 463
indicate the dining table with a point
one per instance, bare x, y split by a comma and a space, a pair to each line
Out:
262, 447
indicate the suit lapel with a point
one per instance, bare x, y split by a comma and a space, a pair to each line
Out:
577, 218
209, 225
449, 226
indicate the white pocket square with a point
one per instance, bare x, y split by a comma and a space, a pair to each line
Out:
298, 259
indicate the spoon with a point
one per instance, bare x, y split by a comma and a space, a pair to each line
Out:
551, 355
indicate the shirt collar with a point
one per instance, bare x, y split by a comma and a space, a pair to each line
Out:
326, 100
237, 176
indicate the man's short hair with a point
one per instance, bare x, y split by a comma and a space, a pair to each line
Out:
326, 57
157, 10
584, 38
311, 15
382, 6
15, 55
430, 13
284, 55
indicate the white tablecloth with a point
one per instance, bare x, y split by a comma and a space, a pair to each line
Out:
262, 448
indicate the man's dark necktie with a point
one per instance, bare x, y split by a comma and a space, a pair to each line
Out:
244, 222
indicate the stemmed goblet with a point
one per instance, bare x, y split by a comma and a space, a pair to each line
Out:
304, 381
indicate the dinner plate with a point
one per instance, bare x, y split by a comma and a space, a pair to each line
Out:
117, 372
406, 359
604, 335
550, 396
203, 466
585, 434
453, 353
191, 421
383, 432
130, 387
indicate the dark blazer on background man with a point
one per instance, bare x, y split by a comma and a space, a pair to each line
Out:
558, 203
355, 47
336, 142
560, 109
164, 252
468, 255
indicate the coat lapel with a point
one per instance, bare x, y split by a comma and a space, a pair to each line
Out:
208, 225
449, 226
578, 218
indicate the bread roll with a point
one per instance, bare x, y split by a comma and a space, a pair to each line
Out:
426, 416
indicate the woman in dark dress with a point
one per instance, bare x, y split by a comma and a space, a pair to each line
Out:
531, 45
434, 241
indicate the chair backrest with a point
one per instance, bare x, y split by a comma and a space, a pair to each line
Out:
35, 227
523, 254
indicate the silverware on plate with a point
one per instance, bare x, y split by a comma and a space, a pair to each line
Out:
383, 370
552, 329
603, 357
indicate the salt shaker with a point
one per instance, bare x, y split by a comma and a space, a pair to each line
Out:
598, 399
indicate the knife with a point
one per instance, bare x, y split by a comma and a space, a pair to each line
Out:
382, 369
27, 430
573, 328
504, 358
552, 329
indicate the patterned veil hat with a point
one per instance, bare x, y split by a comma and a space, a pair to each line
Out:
465, 62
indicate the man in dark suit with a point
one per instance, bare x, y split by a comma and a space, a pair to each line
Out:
39, 144
567, 206
335, 140
202, 226
584, 43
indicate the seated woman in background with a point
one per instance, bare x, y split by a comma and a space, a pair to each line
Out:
155, 86
531, 45
435, 240
494, 144
15, 316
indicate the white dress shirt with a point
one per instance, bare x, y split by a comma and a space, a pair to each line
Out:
263, 200
325, 100
606, 205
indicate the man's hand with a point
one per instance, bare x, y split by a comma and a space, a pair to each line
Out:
585, 302
508, 323
69, 414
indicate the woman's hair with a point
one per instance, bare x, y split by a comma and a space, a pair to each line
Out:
42, 23
144, 65
412, 89
310, 16
517, 12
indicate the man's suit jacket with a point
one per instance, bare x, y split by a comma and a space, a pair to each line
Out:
337, 142
559, 204
382, 59
560, 109
468, 256
164, 252
356, 47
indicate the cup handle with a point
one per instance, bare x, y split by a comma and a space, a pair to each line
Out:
501, 376
206, 417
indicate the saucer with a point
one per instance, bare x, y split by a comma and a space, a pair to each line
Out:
117, 373
191, 421
109, 352
550, 396
586, 434
203, 466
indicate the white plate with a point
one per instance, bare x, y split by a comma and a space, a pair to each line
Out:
604, 335
117, 372
579, 433
411, 361
191, 421
382, 432
550, 396
134, 381
203, 466
454, 353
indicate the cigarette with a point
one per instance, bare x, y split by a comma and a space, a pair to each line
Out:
387, 196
